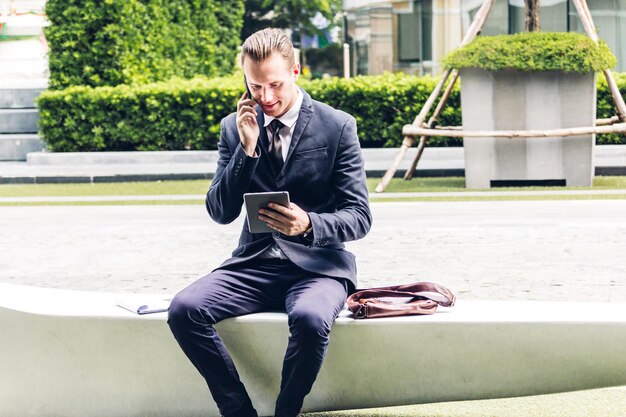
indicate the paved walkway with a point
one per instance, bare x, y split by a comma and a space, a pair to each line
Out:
567, 250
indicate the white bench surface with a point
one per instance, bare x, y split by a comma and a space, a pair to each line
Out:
76, 353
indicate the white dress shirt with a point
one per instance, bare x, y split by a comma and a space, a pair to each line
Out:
289, 119
285, 134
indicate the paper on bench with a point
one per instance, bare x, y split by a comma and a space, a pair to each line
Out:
143, 305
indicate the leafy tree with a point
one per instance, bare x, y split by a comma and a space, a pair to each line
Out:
297, 15
111, 42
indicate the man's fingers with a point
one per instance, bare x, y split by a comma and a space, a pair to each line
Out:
246, 109
274, 224
282, 210
247, 118
245, 103
273, 214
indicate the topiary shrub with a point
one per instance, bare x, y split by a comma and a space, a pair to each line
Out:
534, 51
112, 42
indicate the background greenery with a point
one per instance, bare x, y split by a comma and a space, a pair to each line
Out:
112, 42
297, 15
185, 114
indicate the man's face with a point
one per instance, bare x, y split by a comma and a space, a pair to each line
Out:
272, 83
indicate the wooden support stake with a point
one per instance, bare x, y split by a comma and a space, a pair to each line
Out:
407, 142
422, 143
573, 131
604, 122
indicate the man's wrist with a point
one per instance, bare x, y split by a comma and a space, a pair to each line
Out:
254, 153
308, 233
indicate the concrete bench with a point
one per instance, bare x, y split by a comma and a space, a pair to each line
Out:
76, 353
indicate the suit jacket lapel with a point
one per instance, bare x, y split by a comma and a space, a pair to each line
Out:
306, 112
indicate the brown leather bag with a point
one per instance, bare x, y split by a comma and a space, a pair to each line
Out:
399, 300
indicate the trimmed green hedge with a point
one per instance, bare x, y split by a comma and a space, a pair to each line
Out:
383, 104
534, 51
177, 114
185, 114
112, 42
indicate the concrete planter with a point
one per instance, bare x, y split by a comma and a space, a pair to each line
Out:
516, 100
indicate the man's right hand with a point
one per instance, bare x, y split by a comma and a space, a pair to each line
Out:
247, 126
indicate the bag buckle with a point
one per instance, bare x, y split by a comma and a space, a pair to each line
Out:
361, 313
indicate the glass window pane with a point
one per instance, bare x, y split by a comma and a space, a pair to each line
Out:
362, 58
410, 35
574, 21
553, 16
609, 17
498, 21
427, 30
620, 45
604, 17
517, 16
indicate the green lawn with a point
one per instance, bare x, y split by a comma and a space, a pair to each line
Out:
458, 184
105, 189
200, 187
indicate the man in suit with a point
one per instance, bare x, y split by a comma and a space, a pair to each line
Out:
278, 140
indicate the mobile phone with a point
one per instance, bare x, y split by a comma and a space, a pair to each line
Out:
245, 81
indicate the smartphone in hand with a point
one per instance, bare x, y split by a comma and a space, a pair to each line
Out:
247, 88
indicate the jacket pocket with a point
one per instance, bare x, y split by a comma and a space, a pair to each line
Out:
317, 153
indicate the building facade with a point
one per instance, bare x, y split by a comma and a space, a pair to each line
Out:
413, 36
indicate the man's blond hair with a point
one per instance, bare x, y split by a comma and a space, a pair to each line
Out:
260, 45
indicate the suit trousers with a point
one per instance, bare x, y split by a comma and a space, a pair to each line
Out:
312, 303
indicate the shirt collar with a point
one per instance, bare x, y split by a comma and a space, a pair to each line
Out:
289, 118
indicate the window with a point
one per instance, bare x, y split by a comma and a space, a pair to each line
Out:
415, 33
362, 58
553, 16
498, 21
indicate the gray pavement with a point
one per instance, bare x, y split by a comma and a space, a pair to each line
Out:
567, 250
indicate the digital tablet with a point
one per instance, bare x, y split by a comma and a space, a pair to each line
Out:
256, 201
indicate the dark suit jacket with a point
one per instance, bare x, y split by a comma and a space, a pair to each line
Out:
324, 175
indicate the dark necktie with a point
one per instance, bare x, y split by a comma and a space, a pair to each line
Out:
275, 147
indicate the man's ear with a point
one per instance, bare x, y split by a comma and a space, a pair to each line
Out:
296, 71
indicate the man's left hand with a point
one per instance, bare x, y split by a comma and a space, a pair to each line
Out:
290, 221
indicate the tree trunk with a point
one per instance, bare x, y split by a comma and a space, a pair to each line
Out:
532, 16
